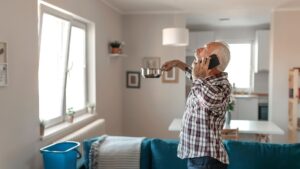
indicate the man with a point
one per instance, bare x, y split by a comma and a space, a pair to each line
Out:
204, 116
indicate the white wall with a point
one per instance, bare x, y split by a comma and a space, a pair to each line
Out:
19, 101
148, 111
284, 55
19, 121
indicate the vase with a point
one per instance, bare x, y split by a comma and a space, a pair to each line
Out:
227, 117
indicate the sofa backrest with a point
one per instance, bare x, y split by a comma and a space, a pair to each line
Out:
254, 155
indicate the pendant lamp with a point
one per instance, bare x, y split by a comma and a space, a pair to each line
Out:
175, 37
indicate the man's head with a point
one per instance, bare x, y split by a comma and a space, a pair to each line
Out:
221, 49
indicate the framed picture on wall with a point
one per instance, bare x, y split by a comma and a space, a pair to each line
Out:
133, 79
2, 52
171, 76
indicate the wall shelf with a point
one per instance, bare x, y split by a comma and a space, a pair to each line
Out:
293, 104
116, 55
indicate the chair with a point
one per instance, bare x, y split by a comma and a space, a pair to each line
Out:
230, 134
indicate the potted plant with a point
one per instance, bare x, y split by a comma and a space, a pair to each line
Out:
42, 127
229, 109
116, 47
70, 115
90, 108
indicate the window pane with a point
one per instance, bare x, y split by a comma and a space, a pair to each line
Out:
53, 48
239, 66
76, 80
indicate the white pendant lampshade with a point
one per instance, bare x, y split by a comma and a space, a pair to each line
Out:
175, 37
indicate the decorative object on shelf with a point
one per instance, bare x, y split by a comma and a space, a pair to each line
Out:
175, 36
171, 76
229, 109
70, 115
91, 108
42, 127
116, 47
133, 79
3, 64
293, 104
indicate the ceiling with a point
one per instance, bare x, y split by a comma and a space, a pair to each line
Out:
204, 12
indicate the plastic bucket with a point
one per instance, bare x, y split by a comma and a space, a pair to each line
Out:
62, 155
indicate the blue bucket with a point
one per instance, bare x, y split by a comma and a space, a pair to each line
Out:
62, 155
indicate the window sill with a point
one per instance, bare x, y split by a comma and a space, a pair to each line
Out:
63, 127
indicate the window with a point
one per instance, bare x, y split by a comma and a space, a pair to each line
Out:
239, 67
63, 79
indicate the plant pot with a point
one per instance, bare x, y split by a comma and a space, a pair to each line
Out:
116, 50
228, 118
42, 130
91, 110
70, 118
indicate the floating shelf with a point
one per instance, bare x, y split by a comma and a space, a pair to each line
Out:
114, 55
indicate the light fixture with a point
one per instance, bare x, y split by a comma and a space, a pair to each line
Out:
175, 37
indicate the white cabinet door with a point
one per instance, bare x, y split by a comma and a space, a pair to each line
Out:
262, 50
247, 108
198, 39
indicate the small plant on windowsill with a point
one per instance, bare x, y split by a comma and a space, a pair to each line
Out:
91, 108
42, 127
70, 115
116, 47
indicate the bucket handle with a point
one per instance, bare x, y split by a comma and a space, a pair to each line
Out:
78, 154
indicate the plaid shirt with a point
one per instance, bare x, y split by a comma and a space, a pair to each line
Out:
204, 118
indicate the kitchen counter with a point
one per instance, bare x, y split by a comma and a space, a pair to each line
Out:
251, 95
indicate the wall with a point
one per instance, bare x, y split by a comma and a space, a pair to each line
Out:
284, 55
19, 101
148, 111
19, 122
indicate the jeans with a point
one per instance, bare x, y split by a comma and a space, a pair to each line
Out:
205, 163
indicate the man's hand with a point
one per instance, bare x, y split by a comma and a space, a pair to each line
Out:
169, 65
200, 68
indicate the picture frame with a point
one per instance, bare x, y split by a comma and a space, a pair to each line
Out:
133, 79
3, 58
3, 65
151, 62
171, 76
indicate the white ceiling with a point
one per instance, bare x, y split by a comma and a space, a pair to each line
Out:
205, 12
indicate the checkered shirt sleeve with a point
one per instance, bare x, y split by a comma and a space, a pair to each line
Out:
204, 118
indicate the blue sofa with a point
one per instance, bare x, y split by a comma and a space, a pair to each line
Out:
161, 154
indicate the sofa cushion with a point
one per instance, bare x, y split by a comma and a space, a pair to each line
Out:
164, 155
146, 155
254, 155
87, 144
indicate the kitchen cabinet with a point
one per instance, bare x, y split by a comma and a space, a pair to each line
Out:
246, 108
262, 50
198, 39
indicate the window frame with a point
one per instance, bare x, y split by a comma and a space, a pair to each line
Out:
74, 22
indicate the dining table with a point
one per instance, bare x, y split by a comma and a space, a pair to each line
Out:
261, 129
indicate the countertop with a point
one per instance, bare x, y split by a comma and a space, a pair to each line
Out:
250, 95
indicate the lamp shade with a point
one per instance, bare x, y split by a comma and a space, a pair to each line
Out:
175, 37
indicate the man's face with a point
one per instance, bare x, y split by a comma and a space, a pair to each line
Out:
205, 51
